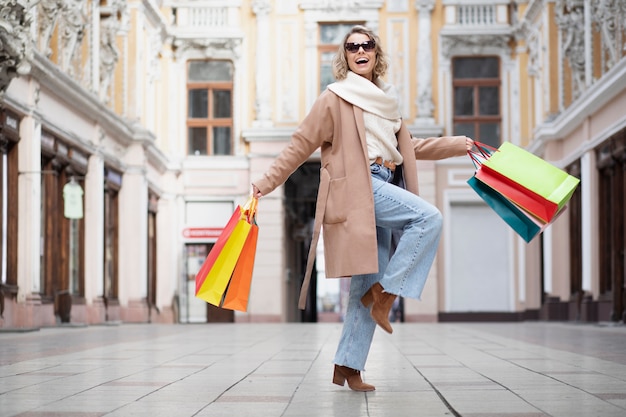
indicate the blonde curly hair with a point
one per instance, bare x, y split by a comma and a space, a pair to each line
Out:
340, 62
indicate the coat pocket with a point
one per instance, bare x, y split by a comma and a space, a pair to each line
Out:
337, 202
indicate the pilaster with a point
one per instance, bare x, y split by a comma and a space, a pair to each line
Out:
424, 102
133, 223
29, 209
94, 231
168, 241
263, 105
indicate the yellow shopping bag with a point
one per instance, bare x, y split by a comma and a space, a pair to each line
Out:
214, 285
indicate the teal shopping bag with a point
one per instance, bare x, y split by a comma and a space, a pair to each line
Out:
520, 222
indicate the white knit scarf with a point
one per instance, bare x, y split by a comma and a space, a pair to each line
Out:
379, 98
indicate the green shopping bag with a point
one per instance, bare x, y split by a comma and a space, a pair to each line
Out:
533, 173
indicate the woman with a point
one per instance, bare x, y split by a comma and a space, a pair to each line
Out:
364, 144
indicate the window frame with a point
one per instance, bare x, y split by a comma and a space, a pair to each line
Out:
323, 48
476, 118
209, 122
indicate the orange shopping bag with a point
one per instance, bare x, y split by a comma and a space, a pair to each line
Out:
222, 260
238, 290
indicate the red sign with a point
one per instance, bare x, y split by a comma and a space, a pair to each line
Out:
202, 232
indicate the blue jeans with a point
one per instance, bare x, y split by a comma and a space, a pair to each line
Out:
403, 274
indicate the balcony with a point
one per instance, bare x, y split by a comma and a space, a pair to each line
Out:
206, 19
476, 17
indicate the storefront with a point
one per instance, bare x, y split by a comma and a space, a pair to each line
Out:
62, 233
611, 163
204, 221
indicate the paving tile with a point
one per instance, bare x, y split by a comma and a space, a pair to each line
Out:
534, 369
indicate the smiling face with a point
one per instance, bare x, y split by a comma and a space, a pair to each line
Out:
361, 62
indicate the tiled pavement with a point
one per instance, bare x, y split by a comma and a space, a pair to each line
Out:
532, 369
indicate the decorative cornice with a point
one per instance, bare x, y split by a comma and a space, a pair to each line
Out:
81, 100
475, 43
210, 48
589, 102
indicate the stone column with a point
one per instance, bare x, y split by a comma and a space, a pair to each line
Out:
133, 223
263, 105
94, 231
168, 241
424, 102
29, 208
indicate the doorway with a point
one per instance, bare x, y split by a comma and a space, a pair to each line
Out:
199, 311
300, 197
479, 278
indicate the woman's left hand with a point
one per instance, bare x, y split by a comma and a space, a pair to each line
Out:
469, 143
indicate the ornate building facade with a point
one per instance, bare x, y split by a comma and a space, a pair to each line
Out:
131, 129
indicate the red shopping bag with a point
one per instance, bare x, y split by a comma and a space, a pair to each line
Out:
238, 290
530, 201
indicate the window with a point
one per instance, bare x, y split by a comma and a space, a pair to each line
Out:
331, 36
476, 89
209, 108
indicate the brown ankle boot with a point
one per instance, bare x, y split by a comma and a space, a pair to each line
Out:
381, 303
343, 373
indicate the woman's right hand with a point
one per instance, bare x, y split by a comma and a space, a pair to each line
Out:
255, 192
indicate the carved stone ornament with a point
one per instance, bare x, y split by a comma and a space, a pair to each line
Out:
261, 7
610, 18
474, 44
47, 16
16, 49
73, 22
531, 34
210, 48
571, 21
112, 18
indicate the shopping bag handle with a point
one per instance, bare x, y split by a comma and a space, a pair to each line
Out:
249, 209
485, 150
482, 153
476, 158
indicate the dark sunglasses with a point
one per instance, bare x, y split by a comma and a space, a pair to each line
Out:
354, 47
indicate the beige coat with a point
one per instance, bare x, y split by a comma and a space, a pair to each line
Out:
345, 203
